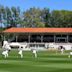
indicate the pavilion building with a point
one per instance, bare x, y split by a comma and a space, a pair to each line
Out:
40, 36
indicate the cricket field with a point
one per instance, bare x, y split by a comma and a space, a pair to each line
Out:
47, 61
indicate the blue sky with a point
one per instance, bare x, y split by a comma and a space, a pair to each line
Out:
51, 4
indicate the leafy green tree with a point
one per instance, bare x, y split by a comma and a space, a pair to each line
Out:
62, 18
46, 17
15, 16
33, 18
8, 16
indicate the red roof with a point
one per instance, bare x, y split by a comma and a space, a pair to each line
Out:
38, 30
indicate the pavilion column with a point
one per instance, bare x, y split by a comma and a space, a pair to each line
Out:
41, 38
16, 38
29, 38
4, 38
8, 38
54, 38
67, 39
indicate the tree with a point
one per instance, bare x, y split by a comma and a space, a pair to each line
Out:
15, 16
33, 18
62, 18
2, 14
8, 17
46, 17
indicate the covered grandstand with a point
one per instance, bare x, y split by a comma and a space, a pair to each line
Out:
41, 36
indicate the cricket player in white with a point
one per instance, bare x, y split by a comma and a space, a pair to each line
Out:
20, 51
61, 48
62, 51
6, 46
6, 49
5, 53
69, 54
34, 51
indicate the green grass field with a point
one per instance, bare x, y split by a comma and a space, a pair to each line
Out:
47, 61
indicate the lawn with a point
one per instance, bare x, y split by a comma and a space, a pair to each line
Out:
47, 61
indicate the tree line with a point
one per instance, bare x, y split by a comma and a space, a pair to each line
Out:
34, 17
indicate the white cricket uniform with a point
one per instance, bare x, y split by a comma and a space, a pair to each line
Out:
35, 53
69, 54
6, 48
5, 53
20, 52
62, 51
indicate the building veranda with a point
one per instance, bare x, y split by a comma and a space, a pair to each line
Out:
40, 36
